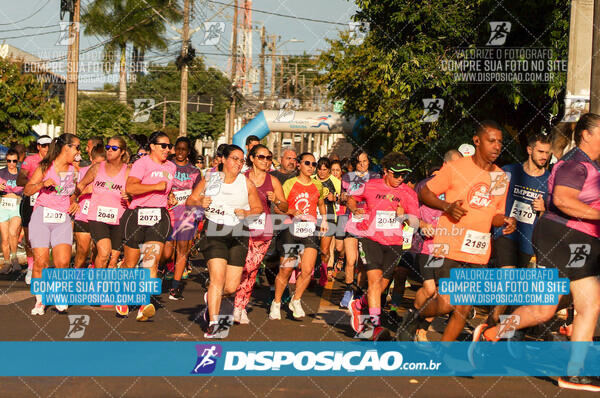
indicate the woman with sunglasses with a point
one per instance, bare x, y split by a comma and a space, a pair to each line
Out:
51, 225
270, 193
391, 209
105, 181
147, 223
352, 184
300, 241
10, 219
28, 167
184, 220
333, 186
228, 198
81, 228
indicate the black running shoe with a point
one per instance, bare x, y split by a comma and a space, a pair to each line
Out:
582, 383
407, 329
175, 294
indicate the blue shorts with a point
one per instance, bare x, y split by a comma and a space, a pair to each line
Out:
6, 214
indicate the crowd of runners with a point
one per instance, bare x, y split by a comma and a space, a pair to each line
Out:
311, 218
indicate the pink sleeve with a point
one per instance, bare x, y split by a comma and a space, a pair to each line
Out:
138, 169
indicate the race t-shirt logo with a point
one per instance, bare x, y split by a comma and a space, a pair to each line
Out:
479, 196
207, 358
302, 203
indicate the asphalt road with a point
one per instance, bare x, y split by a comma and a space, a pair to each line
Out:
178, 321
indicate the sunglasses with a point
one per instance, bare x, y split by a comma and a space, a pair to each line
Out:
308, 163
263, 157
74, 146
236, 159
12, 161
112, 147
44, 145
398, 174
163, 145
142, 154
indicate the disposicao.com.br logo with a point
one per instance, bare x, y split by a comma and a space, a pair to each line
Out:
319, 361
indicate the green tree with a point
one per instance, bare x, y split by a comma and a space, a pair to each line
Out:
204, 84
386, 78
129, 22
23, 104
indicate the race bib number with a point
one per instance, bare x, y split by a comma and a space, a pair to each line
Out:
259, 223
109, 215
475, 242
52, 216
85, 207
33, 198
386, 219
148, 217
407, 236
182, 196
304, 229
523, 212
9, 203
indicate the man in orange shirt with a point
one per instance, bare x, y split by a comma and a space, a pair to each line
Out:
475, 194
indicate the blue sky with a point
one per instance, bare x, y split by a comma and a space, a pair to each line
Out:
20, 31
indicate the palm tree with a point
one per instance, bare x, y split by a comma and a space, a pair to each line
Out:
129, 22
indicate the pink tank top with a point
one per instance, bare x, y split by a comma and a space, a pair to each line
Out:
264, 230
57, 197
106, 205
83, 200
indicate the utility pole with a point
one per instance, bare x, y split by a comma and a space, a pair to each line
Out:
273, 49
184, 70
234, 49
263, 45
72, 72
164, 124
595, 78
296, 80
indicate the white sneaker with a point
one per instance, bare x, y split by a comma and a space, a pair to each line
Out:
38, 309
28, 276
275, 312
237, 314
62, 308
244, 317
296, 308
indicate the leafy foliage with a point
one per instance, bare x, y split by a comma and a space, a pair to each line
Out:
23, 103
386, 78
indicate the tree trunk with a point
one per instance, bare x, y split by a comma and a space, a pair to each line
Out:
123, 76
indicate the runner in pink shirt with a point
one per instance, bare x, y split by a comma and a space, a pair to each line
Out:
146, 223
51, 226
28, 166
81, 228
389, 218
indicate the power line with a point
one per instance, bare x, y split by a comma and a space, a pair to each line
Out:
31, 35
280, 15
29, 27
26, 18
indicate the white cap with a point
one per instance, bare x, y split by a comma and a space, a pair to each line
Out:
467, 149
44, 140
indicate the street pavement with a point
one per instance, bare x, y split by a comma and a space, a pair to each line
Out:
179, 321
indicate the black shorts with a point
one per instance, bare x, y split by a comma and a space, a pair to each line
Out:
440, 267
135, 235
81, 227
506, 252
428, 265
574, 253
340, 231
227, 243
26, 210
100, 230
288, 244
378, 256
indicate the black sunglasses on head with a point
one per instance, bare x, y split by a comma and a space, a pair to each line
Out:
309, 163
163, 145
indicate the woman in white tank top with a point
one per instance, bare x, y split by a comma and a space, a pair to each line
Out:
229, 200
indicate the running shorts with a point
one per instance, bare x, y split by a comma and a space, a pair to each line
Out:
505, 252
381, 257
574, 253
100, 230
287, 242
44, 234
222, 241
26, 209
81, 226
7, 215
135, 234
